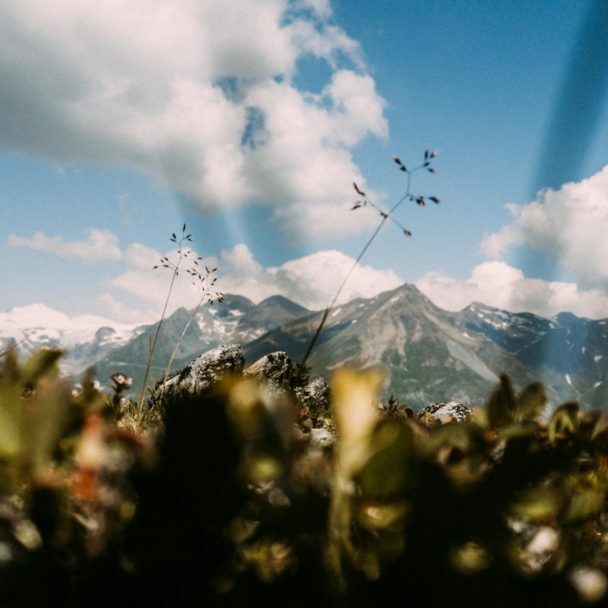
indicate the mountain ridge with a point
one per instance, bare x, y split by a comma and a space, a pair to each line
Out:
430, 354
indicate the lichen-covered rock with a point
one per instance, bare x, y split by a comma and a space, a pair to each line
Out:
315, 413
203, 372
315, 397
275, 368
442, 413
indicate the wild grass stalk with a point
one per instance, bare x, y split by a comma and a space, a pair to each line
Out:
206, 282
385, 216
165, 262
189, 263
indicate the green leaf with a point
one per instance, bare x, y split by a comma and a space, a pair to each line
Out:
44, 422
517, 431
537, 504
564, 421
11, 439
42, 363
501, 404
530, 402
387, 471
584, 505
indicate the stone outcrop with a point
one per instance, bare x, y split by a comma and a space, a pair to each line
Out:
442, 413
275, 368
312, 398
204, 372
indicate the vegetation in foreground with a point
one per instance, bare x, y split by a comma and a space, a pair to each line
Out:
225, 497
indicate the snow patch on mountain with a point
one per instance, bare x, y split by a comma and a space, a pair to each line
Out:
85, 338
39, 322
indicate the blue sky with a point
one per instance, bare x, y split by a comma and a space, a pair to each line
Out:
250, 124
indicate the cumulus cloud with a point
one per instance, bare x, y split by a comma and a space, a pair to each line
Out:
114, 308
198, 94
570, 224
98, 246
311, 281
498, 284
149, 286
321, 7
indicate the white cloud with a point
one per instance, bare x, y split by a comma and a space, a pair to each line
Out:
311, 281
117, 309
98, 246
570, 224
497, 284
307, 164
141, 257
197, 94
321, 7
150, 286
241, 262
497, 244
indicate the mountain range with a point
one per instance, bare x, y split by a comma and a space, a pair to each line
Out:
429, 354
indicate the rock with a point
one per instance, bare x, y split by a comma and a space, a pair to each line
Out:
275, 368
315, 413
203, 372
321, 437
442, 413
315, 397
276, 371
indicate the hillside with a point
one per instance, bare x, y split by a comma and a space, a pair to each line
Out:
429, 354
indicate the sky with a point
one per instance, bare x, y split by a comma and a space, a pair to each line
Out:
249, 121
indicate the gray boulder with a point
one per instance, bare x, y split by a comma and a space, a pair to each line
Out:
442, 413
315, 397
202, 373
275, 368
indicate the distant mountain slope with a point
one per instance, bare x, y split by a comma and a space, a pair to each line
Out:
86, 338
427, 354
568, 352
236, 320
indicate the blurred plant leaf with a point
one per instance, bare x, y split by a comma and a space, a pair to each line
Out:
41, 363
537, 504
583, 505
530, 402
44, 423
10, 422
387, 470
564, 422
354, 406
501, 404
516, 431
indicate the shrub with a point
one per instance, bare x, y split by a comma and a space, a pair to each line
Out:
227, 501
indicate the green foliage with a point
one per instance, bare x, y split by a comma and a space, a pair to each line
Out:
227, 500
